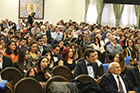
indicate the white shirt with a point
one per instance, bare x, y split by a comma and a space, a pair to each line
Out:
123, 85
41, 49
52, 34
90, 70
98, 62
97, 47
55, 58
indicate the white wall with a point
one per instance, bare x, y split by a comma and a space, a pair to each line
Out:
54, 10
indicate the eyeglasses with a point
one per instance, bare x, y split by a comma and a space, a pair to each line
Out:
41, 40
117, 67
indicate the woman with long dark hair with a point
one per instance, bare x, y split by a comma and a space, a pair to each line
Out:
23, 64
41, 70
79, 40
119, 57
65, 39
131, 49
29, 39
11, 51
100, 49
33, 52
75, 51
46, 52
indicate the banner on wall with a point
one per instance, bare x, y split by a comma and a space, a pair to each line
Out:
26, 7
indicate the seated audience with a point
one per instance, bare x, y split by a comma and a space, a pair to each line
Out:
29, 39
35, 29
97, 60
45, 41
115, 82
41, 70
79, 40
9, 36
66, 39
3, 43
40, 42
87, 41
137, 44
22, 43
11, 51
119, 57
68, 59
114, 48
88, 66
133, 75
4, 60
75, 51
55, 54
46, 52
131, 49
23, 64
100, 49
61, 44
33, 52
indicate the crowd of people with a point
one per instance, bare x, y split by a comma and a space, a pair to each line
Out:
43, 46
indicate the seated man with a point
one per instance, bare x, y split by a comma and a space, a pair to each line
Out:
114, 48
133, 75
22, 43
115, 82
88, 66
4, 60
40, 41
55, 54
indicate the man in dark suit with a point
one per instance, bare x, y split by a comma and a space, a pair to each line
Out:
9, 36
4, 60
88, 66
55, 54
49, 34
133, 75
22, 43
40, 41
115, 82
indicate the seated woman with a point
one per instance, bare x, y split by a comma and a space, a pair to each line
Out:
33, 52
97, 60
61, 44
2, 41
131, 49
87, 41
68, 59
23, 64
120, 59
100, 49
11, 51
41, 70
46, 52
29, 39
65, 39
79, 40
75, 51
137, 44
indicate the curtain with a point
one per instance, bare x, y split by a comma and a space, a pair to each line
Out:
100, 6
118, 9
108, 17
86, 7
137, 11
128, 16
91, 17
